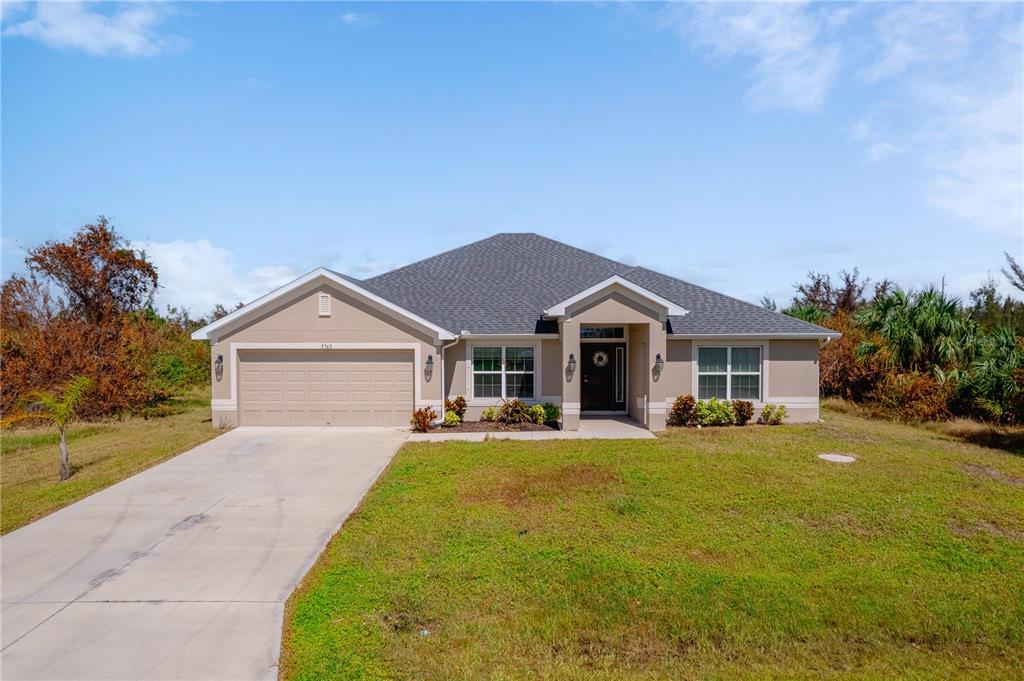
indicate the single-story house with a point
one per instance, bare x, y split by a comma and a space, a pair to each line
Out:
510, 316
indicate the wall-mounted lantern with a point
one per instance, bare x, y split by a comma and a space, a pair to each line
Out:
572, 363
659, 363
218, 367
428, 369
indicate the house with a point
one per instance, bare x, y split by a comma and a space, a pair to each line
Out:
513, 315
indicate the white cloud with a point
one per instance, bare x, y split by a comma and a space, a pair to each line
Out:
198, 275
938, 81
130, 31
795, 63
359, 19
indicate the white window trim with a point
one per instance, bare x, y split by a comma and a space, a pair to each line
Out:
474, 401
696, 373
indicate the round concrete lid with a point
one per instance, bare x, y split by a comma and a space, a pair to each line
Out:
837, 458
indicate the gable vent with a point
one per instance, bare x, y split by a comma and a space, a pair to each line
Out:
325, 305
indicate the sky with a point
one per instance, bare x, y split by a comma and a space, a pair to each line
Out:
735, 146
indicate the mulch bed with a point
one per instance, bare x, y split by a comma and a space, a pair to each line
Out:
492, 427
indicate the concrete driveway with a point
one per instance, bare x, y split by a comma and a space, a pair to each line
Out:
182, 571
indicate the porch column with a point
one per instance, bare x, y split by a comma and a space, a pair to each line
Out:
658, 386
570, 331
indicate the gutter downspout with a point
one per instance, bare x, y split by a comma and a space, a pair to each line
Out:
443, 393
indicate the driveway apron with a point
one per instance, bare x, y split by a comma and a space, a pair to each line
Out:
182, 571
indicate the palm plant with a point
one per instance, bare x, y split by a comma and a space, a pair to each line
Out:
58, 410
918, 332
992, 386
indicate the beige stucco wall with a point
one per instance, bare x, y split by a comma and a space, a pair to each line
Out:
789, 373
794, 369
297, 320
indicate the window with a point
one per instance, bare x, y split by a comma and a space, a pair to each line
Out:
601, 332
325, 304
729, 373
503, 372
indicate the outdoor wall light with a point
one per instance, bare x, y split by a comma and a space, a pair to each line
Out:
218, 366
430, 361
659, 363
572, 362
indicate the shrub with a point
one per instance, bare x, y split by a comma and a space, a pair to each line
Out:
683, 412
537, 411
515, 411
458, 405
552, 413
422, 418
743, 411
451, 418
772, 414
912, 397
489, 414
714, 412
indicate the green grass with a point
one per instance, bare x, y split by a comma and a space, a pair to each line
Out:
101, 454
720, 553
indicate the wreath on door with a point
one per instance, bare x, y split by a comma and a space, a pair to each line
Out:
600, 358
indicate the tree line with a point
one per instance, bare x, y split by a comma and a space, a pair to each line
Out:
919, 355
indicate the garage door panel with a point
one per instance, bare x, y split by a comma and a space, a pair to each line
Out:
335, 387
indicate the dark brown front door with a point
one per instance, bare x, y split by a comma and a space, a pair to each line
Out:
603, 371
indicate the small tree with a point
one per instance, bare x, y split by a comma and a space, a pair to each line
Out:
60, 411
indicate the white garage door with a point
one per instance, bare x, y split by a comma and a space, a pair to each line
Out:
325, 387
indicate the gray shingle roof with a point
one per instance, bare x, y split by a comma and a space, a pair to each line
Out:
503, 283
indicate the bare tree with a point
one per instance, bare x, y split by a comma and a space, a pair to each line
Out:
1015, 273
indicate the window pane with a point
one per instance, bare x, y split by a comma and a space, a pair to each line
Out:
518, 359
746, 359
487, 385
746, 387
519, 385
711, 359
711, 386
486, 359
601, 332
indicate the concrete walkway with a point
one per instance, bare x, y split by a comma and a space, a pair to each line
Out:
182, 571
591, 427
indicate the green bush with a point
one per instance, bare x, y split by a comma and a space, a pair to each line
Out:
538, 414
772, 414
552, 413
683, 412
515, 411
489, 414
743, 411
458, 405
714, 412
451, 418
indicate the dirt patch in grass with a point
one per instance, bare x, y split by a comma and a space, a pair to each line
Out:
518, 488
988, 472
986, 527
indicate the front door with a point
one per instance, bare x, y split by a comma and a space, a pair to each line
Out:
604, 376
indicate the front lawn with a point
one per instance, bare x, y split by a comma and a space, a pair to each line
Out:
731, 553
101, 454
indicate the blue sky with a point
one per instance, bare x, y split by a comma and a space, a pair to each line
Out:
735, 146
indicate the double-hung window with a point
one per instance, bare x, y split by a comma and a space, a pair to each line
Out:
503, 372
729, 373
